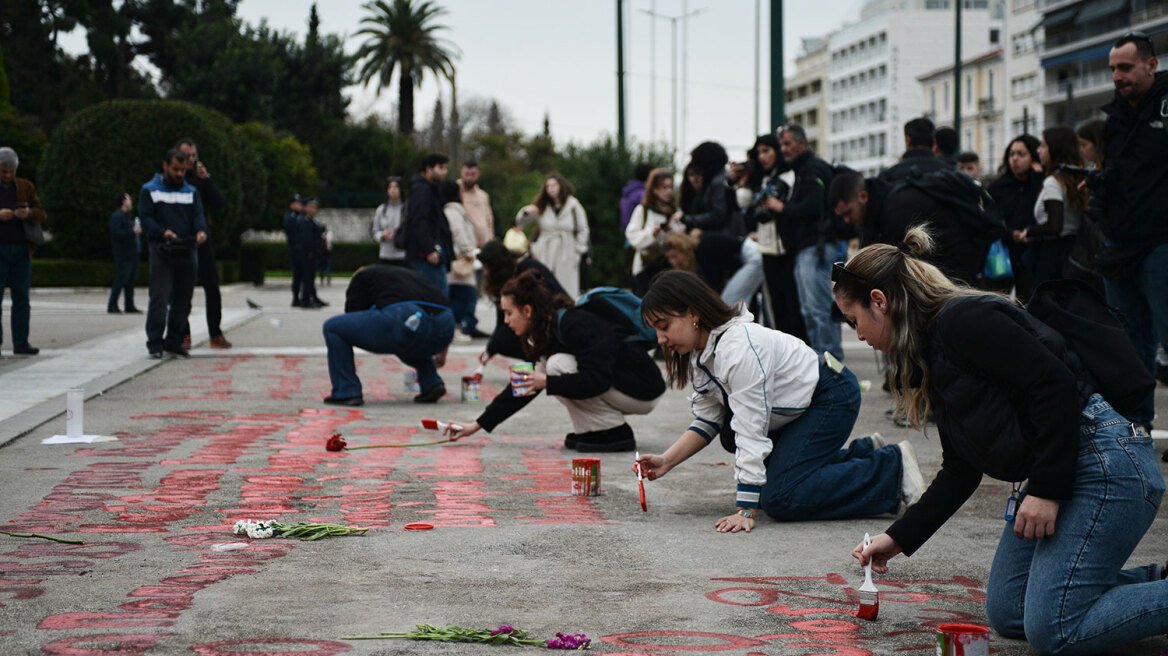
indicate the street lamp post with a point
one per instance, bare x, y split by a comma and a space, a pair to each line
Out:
673, 65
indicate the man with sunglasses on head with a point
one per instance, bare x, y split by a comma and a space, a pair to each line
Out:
1134, 195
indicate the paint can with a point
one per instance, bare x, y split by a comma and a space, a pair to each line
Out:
519, 385
410, 380
472, 389
586, 477
963, 640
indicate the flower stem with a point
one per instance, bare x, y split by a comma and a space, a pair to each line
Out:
397, 446
43, 537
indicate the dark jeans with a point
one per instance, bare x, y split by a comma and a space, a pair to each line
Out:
297, 274
385, 331
1143, 301
16, 275
307, 280
462, 302
435, 273
172, 282
209, 280
126, 275
779, 271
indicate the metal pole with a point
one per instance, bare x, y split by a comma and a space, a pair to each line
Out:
684, 69
778, 91
652, 73
620, 74
757, 46
957, 74
673, 88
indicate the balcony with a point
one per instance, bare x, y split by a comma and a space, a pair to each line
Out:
1090, 83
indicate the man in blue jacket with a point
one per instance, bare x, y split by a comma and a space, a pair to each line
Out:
172, 218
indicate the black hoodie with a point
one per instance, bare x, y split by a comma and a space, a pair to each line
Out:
1136, 167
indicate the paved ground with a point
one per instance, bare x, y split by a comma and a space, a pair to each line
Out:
239, 434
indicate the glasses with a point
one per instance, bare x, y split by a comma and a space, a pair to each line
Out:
1138, 36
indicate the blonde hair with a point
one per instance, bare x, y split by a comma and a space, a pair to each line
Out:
917, 292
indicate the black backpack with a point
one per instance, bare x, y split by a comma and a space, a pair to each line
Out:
973, 207
1095, 332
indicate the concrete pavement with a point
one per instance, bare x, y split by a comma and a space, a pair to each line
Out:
239, 434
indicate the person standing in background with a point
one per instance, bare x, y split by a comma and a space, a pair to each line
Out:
477, 204
387, 220
19, 205
634, 192
291, 231
309, 244
428, 243
562, 226
199, 178
461, 278
124, 233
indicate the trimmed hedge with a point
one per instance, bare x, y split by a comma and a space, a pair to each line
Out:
346, 257
92, 273
118, 146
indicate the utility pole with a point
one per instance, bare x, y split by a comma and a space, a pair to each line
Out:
757, 46
673, 59
778, 90
652, 73
620, 74
957, 75
685, 15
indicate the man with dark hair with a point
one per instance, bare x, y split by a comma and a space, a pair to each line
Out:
200, 178
291, 233
634, 192
970, 164
1134, 198
19, 205
807, 228
429, 246
918, 157
171, 212
394, 310
884, 212
945, 145
477, 204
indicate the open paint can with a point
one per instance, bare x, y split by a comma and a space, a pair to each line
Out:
963, 640
472, 391
410, 380
520, 385
586, 477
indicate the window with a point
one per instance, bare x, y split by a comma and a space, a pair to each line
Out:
812, 118
990, 140
883, 144
933, 100
990, 92
995, 36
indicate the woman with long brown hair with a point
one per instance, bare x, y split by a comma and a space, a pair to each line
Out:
581, 360
648, 226
562, 230
1059, 208
784, 411
1086, 482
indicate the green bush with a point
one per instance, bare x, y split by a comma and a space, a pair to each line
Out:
94, 273
346, 257
289, 166
118, 146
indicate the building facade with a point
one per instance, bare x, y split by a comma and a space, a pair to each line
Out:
1022, 69
875, 63
808, 94
982, 103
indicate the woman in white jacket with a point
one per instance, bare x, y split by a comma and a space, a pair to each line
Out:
648, 225
789, 410
562, 231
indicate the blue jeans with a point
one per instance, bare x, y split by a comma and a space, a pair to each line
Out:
435, 273
1143, 300
462, 302
1067, 593
172, 282
16, 274
126, 274
813, 282
809, 475
385, 331
745, 281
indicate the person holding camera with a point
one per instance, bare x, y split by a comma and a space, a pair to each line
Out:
20, 209
171, 213
648, 225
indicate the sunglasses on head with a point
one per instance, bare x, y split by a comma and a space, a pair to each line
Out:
1139, 36
841, 274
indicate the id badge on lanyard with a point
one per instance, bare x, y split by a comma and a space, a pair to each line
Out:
1012, 504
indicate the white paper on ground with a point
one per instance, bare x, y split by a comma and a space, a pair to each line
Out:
78, 439
1159, 434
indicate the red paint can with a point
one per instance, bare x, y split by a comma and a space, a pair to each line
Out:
963, 640
586, 477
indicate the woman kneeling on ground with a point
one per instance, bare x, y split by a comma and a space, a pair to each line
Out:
580, 359
1019, 413
790, 412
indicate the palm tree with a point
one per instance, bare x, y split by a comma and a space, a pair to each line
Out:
402, 36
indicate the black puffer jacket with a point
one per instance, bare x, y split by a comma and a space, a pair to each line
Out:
1136, 167
1011, 413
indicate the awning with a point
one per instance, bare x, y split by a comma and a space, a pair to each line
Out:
1060, 17
1099, 9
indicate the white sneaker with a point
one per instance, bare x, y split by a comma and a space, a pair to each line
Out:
877, 441
912, 483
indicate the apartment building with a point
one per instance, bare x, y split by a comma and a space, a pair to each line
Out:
1078, 39
807, 92
875, 63
981, 103
1022, 69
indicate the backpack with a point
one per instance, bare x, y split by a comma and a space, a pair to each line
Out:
974, 208
1095, 332
401, 238
619, 307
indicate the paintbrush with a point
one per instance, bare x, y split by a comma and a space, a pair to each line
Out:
869, 595
434, 424
640, 480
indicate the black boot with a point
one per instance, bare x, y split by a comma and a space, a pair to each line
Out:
609, 440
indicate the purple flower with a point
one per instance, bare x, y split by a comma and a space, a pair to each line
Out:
572, 641
504, 629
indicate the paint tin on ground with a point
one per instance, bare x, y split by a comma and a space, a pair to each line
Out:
586, 477
410, 380
963, 640
519, 385
472, 389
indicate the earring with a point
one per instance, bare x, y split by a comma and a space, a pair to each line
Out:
695, 324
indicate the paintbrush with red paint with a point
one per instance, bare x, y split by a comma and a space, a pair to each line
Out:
434, 424
640, 481
869, 595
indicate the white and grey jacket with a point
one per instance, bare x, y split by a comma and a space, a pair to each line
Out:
769, 378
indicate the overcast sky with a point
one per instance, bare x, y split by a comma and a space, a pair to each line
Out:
559, 57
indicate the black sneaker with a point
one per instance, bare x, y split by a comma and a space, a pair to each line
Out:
133, 311
475, 333
179, 352
432, 396
570, 440
25, 350
348, 400
113, 311
611, 440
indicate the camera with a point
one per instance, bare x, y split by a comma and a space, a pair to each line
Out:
1095, 177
